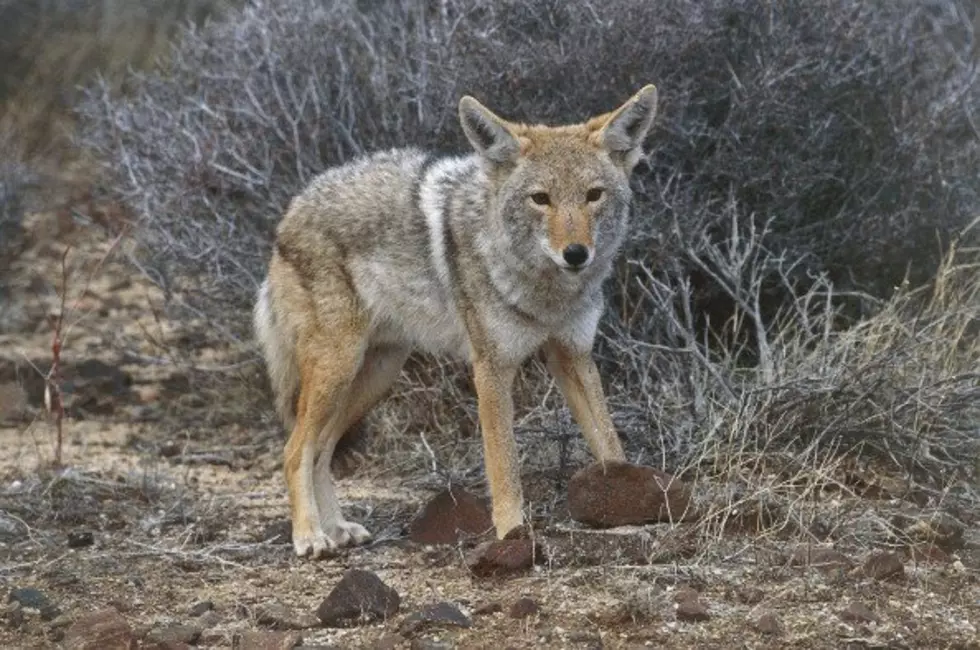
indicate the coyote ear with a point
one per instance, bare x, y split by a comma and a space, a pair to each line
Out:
490, 135
622, 131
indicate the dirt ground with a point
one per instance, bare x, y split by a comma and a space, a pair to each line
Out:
164, 505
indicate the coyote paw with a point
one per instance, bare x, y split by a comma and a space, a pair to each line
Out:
314, 544
347, 533
319, 543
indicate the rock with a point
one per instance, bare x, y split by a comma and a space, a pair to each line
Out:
768, 623
488, 608
750, 595
359, 597
266, 640
450, 516
186, 634
201, 607
819, 557
688, 606
165, 645
591, 640
503, 557
686, 593
858, 613
524, 607
883, 566
208, 620
280, 617
389, 641
171, 448
11, 530
80, 538
33, 599
438, 615
62, 621
105, 629
431, 644
13, 614
619, 494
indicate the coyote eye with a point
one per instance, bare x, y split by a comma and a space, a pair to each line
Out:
541, 198
594, 194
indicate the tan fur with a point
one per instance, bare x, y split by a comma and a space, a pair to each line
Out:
462, 256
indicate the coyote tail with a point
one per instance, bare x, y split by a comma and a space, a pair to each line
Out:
279, 349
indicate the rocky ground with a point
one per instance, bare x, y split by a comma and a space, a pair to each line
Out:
166, 527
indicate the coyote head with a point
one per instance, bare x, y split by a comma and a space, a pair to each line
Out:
565, 187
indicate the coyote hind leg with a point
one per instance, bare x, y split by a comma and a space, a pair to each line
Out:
377, 373
328, 367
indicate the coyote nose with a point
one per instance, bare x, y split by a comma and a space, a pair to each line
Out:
575, 254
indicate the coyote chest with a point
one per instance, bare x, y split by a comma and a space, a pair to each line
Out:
412, 310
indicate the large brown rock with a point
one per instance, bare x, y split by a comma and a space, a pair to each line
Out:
360, 597
503, 557
450, 516
105, 629
619, 494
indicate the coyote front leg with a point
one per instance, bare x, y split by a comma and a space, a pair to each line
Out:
494, 383
578, 379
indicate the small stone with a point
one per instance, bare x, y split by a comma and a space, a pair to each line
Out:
691, 610
33, 599
389, 641
170, 449
591, 640
11, 530
488, 608
686, 593
524, 607
438, 615
62, 621
165, 645
858, 613
80, 538
883, 566
503, 557
751, 595
280, 617
359, 597
188, 634
208, 620
201, 607
449, 517
819, 558
101, 630
266, 640
426, 643
618, 494
13, 614
768, 623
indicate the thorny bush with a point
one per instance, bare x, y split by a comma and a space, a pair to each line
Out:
808, 159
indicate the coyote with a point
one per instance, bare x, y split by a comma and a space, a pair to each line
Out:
489, 257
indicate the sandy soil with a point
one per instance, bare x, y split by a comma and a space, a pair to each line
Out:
184, 505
